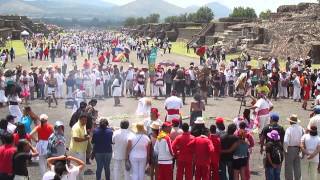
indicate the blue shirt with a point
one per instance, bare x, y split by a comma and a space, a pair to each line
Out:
26, 121
102, 140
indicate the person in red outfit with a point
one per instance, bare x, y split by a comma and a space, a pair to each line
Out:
183, 154
6, 155
164, 150
215, 158
202, 148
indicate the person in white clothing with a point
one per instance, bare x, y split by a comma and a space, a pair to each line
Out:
120, 141
291, 145
158, 83
296, 88
173, 104
284, 81
310, 147
262, 110
138, 150
116, 89
60, 169
60, 79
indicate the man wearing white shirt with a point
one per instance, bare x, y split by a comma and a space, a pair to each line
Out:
120, 140
129, 80
230, 78
173, 104
60, 78
292, 140
315, 120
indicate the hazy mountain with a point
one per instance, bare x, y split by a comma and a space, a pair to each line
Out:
218, 9
146, 7
99, 8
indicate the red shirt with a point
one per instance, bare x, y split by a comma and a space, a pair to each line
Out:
44, 131
215, 139
6, 156
202, 149
16, 138
180, 148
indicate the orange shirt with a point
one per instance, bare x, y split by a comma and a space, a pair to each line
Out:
44, 131
302, 81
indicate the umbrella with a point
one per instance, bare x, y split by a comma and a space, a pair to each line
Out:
201, 51
166, 63
25, 33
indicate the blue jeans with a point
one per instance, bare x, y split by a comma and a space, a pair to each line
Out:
103, 162
225, 167
273, 173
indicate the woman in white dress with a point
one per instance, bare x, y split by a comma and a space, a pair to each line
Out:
116, 89
12, 93
3, 98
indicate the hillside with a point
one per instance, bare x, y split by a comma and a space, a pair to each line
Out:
146, 7
88, 9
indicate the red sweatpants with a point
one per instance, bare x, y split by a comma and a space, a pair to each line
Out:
165, 172
202, 172
214, 174
184, 169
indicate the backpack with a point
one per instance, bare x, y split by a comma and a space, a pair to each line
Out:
276, 153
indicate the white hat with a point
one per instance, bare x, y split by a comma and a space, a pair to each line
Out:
199, 120
43, 117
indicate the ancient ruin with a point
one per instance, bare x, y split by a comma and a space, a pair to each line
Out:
12, 26
293, 31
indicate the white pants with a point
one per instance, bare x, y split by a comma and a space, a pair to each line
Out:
156, 90
138, 166
43, 164
296, 93
82, 157
59, 93
14, 110
17, 177
283, 91
119, 170
312, 170
263, 122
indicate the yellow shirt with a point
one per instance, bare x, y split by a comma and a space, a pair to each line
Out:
263, 88
80, 132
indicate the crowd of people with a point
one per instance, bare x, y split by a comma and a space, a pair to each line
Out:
154, 147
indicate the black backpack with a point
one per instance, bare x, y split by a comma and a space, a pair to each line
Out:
276, 153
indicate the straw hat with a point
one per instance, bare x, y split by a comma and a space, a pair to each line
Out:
155, 125
139, 128
293, 118
199, 120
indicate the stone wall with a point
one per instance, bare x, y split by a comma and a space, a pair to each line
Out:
187, 33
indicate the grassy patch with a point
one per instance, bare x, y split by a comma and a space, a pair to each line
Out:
179, 48
18, 47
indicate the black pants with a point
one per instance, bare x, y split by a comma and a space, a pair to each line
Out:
6, 177
168, 89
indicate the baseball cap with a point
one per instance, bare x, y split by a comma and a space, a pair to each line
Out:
274, 116
219, 120
316, 109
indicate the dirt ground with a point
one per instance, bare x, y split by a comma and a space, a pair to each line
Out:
225, 107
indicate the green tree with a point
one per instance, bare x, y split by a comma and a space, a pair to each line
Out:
243, 12
130, 21
204, 14
171, 19
192, 17
266, 14
153, 18
140, 21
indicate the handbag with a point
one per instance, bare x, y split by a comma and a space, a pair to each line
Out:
128, 162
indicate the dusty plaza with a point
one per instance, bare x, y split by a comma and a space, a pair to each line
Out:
159, 90
225, 107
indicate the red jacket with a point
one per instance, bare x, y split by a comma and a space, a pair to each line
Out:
180, 148
6, 156
202, 149
215, 139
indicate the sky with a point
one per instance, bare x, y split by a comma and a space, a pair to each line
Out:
259, 5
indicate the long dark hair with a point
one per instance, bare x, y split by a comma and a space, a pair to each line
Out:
59, 169
21, 130
246, 115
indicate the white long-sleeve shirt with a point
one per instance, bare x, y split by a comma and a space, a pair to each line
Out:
293, 135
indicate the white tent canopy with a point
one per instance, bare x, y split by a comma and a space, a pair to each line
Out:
25, 33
